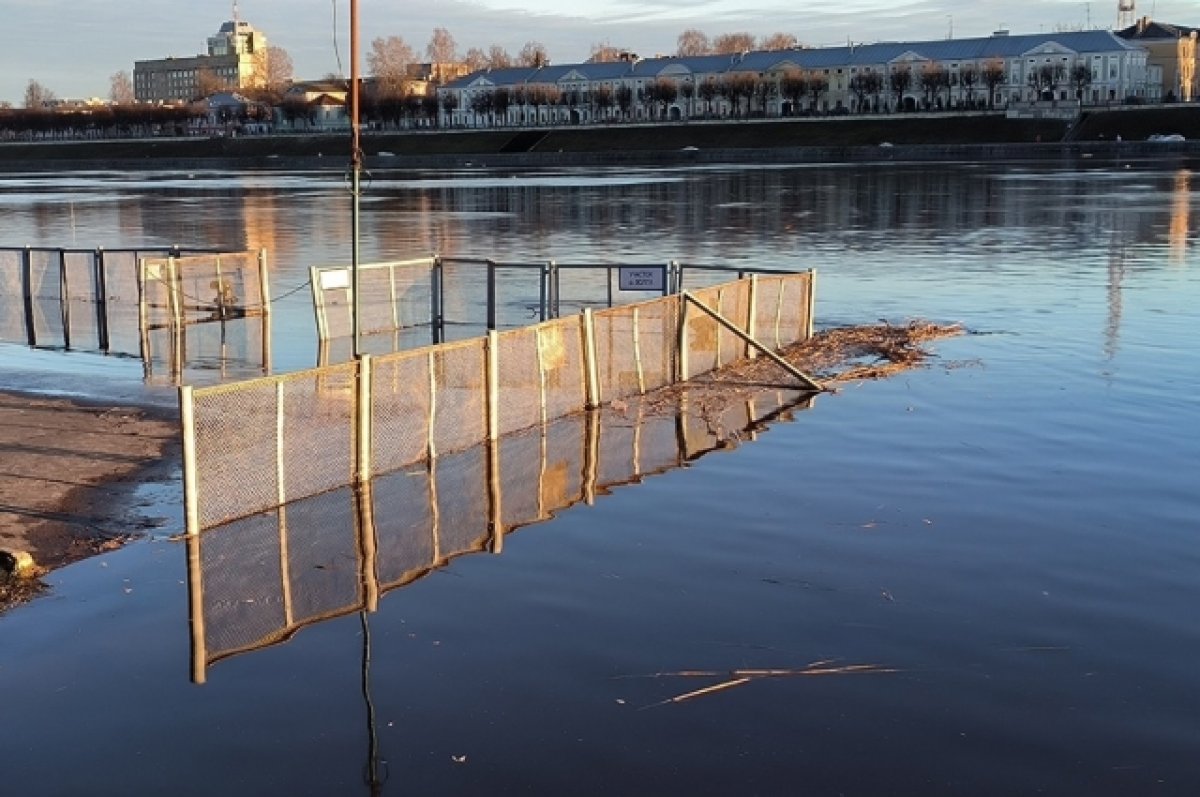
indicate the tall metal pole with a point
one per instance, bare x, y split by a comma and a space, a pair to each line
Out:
356, 159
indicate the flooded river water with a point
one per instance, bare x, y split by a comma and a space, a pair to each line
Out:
1010, 536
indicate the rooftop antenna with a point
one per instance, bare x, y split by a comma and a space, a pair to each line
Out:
235, 14
1125, 14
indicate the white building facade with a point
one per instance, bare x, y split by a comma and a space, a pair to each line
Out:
1085, 67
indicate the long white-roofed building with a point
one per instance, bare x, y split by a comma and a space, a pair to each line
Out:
998, 71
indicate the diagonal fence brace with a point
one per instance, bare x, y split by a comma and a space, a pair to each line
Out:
804, 378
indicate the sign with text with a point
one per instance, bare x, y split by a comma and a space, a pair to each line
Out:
642, 278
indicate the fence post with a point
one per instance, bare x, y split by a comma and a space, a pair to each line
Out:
264, 286
681, 344
64, 298
752, 311
101, 299
592, 369
195, 583
812, 303
27, 291
493, 385
543, 291
264, 282
191, 480
362, 424
491, 294
280, 428
143, 316
318, 294
435, 299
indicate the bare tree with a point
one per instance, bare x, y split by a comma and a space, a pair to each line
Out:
120, 88
209, 83
793, 85
736, 85
993, 75
863, 85
779, 41
475, 59
968, 78
693, 42
817, 85
388, 61
1081, 78
602, 98
442, 51
730, 43
280, 70
498, 57
37, 95
899, 81
533, 54
603, 53
708, 91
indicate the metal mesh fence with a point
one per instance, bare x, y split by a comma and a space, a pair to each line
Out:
394, 295
79, 298
265, 442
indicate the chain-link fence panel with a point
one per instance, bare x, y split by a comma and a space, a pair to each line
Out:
561, 361
12, 297
237, 428
319, 427
83, 300
519, 381
45, 291
460, 395
401, 407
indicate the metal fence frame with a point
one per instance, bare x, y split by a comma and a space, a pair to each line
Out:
390, 298
82, 294
251, 446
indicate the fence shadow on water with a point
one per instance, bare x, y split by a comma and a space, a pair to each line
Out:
258, 580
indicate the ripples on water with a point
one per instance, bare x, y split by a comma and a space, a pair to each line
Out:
1014, 529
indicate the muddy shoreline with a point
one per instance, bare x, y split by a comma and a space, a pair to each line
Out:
70, 471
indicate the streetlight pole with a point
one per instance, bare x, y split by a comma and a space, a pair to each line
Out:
356, 163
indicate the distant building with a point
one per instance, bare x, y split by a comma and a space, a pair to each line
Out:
1173, 48
236, 59
999, 71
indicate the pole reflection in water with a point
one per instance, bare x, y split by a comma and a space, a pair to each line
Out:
255, 582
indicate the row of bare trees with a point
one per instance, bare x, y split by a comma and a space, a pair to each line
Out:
106, 121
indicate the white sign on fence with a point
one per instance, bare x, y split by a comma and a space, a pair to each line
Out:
642, 278
331, 280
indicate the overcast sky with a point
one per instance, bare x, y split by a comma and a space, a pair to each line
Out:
72, 47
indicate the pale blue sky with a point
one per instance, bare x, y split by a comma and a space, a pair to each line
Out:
73, 46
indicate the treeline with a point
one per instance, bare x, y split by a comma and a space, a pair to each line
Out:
101, 121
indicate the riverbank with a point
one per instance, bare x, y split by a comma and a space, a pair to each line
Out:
69, 474
922, 137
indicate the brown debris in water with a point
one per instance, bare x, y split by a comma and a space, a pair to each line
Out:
832, 357
847, 354
736, 678
16, 590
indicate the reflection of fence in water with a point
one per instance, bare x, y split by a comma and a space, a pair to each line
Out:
257, 580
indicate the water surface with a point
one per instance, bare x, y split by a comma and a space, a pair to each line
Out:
1012, 530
